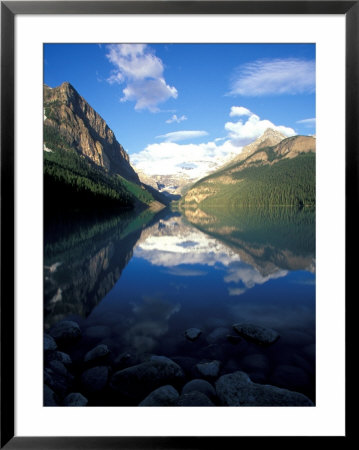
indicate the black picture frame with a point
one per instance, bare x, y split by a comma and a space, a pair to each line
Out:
9, 9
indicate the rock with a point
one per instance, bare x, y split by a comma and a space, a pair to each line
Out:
237, 389
62, 357
212, 351
95, 379
97, 354
75, 399
49, 343
58, 382
65, 331
58, 367
49, 396
124, 360
256, 333
192, 334
188, 365
200, 386
138, 381
217, 335
209, 369
194, 398
163, 396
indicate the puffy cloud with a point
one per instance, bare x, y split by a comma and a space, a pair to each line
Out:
274, 77
184, 135
141, 70
242, 133
197, 160
239, 111
176, 119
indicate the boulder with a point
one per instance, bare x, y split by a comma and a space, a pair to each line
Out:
65, 331
193, 333
209, 369
200, 386
49, 343
138, 381
49, 396
58, 367
237, 389
256, 333
163, 396
75, 399
95, 379
97, 354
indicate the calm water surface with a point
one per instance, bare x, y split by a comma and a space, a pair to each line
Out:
136, 283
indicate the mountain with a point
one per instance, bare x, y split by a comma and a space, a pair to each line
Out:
271, 171
84, 164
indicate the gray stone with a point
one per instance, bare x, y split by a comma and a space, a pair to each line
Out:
100, 352
49, 396
124, 360
194, 398
58, 382
163, 396
49, 343
63, 357
256, 333
209, 369
237, 389
199, 386
65, 331
58, 367
138, 381
193, 333
75, 399
95, 379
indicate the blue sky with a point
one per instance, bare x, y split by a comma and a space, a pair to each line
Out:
181, 99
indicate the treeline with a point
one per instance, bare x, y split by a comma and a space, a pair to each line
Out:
287, 182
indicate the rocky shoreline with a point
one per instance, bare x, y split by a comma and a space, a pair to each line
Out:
100, 377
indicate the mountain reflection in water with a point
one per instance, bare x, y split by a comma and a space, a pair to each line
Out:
136, 283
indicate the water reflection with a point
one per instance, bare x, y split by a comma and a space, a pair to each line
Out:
139, 282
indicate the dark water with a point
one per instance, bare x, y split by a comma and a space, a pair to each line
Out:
136, 283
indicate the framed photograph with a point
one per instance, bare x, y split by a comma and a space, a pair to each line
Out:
176, 184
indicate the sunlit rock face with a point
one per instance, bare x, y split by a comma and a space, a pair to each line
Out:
82, 128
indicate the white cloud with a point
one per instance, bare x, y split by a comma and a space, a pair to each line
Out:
141, 70
307, 122
197, 160
242, 133
274, 77
176, 119
239, 111
184, 135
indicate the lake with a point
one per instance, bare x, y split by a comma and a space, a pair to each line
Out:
137, 282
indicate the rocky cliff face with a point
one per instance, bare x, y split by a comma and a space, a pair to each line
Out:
81, 128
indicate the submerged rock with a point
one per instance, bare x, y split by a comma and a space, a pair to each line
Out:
49, 396
200, 386
163, 396
65, 331
209, 369
99, 353
237, 389
256, 333
138, 381
75, 399
193, 333
64, 358
217, 335
58, 367
49, 343
95, 379
194, 398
